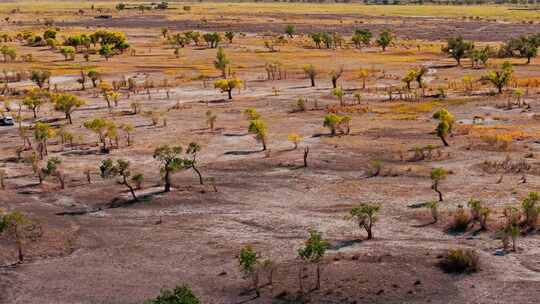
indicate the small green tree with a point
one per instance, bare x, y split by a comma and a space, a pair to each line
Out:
106, 51
365, 215
121, 168
338, 92
249, 263
18, 227
259, 129
52, 169
229, 36
40, 78
500, 78
290, 30
178, 295
313, 252
94, 77
361, 37
385, 39
221, 63
446, 122
458, 48
68, 52
171, 162
437, 175
9, 53
311, 73
335, 122
531, 209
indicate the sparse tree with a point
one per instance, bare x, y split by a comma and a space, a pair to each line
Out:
365, 215
437, 175
500, 78
211, 119
42, 133
53, 169
249, 263
19, 228
313, 252
67, 103
40, 78
229, 36
290, 30
295, 139
68, 52
103, 128
531, 209
458, 48
311, 73
259, 129
385, 39
121, 168
128, 130
221, 63
94, 77
228, 85
361, 37
338, 92
251, 114
335, 75
364, 74
171, 162
35, 99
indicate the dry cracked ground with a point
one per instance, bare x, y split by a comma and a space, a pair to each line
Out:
99, 247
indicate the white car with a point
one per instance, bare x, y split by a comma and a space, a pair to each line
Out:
7, 121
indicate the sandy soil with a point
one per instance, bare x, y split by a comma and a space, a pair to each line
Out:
99, 248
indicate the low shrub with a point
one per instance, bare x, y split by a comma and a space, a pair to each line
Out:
460, 261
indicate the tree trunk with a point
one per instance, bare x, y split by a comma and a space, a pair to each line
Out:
167, 181
199, 174
229, 92
444, 141
438, 192
306, 152
312, 81
369, 232
20, 250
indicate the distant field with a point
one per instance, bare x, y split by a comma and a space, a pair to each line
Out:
484, 11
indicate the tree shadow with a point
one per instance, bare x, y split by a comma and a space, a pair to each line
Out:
344, 243
424, 225
242, 152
